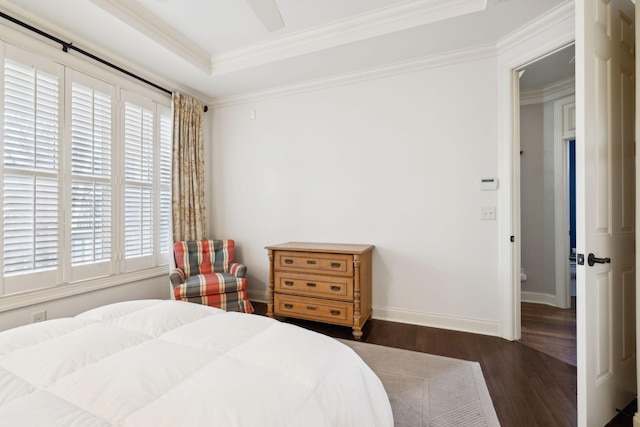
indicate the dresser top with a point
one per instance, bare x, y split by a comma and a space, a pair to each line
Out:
322, 247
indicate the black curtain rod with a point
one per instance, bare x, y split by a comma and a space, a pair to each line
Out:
66, 46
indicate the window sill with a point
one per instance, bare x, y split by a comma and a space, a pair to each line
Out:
14, 301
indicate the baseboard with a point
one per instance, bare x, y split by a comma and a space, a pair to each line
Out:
636, 420
415, 318
538, 298
475, 326
258, 296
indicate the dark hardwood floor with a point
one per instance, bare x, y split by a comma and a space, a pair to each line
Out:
528, 387
550, 330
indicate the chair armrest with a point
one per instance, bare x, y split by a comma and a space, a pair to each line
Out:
177, 277
237, 269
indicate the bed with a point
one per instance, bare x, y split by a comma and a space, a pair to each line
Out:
174, 363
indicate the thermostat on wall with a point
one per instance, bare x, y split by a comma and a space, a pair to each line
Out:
487, 184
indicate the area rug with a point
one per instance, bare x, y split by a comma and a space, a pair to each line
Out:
427, 390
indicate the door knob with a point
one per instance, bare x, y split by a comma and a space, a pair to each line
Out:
592, 259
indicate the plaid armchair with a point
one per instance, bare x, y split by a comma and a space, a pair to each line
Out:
206, 274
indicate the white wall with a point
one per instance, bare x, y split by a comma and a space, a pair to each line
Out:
532, 196
537, 181
157, 287
549, 182
395, 162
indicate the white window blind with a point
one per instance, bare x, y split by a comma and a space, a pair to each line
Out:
30, 223
91, 170
139, 221
138, 172
30, 117
85, 176
30, 152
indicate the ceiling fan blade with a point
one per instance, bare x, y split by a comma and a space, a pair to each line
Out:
268, 13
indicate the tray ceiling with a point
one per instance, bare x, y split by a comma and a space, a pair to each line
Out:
219, 48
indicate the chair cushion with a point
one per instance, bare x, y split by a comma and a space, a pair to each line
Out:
229, 301
209, 284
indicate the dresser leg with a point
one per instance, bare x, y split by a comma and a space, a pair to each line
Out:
357, 333
357, 330
271, 285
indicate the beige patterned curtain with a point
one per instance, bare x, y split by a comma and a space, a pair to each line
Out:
187, 172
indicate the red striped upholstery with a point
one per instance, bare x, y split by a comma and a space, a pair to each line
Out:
209, 284
206, 274
229, 301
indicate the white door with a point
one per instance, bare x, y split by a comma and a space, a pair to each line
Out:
605, 213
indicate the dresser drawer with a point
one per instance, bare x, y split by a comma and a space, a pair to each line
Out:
337, 312
312, 285
335, 264
318, 281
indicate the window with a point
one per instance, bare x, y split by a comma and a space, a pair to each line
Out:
147, 142
91, 159
85, 175
31, 171
138, 175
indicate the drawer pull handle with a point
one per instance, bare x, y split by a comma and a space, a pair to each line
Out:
311, 285
289, 306
288, 261
335, 288
312, 308
335, 265
335, 312
310, 261
288, 282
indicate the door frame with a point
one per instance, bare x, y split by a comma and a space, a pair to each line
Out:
636, 416
564, 131
552, 31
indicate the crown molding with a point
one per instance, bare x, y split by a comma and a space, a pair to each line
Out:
26, 39
404, 67
403, 16
148, 24
546, 21
557, 90
399, 17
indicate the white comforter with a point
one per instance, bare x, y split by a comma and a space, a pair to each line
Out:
171, 363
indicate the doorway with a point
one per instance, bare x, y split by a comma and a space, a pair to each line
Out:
572, 221
547, 204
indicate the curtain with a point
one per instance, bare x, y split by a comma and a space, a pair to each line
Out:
187, 173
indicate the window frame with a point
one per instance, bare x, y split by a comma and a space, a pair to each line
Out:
66, 283
85, 271
13, 283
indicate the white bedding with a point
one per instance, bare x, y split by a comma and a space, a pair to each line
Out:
173, 363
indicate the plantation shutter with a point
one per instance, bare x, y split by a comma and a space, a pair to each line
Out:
86, 177
91, 131
139, 199
31, 182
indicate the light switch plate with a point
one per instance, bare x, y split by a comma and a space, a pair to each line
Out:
488, 213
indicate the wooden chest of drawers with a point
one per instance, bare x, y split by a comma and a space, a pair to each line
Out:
321, 281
